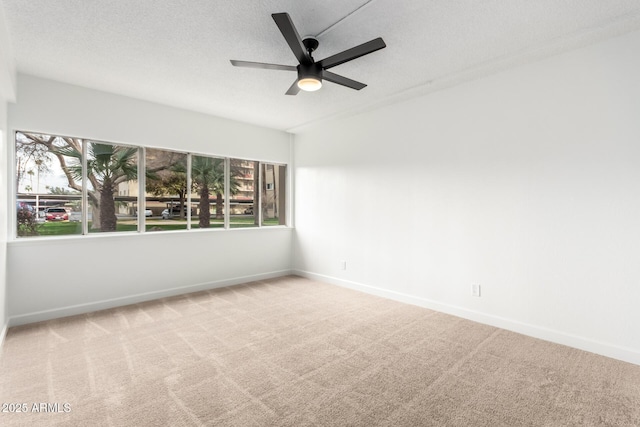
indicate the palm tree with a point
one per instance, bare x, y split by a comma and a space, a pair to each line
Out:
110, 165
107, 167
207, 175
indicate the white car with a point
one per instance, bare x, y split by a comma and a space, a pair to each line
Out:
147, 212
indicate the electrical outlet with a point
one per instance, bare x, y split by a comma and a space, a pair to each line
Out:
343, 265
475, 289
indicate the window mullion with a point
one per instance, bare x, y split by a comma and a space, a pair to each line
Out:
142, 189
259, 193
85, 190
189, 160
227, 191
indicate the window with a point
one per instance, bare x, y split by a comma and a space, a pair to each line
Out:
48, 177
208, 184
273, 194
75, 186
112, 187
166, 190
244, 186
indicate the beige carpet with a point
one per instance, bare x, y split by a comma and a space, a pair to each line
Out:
292, 352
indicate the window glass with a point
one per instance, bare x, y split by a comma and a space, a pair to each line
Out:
273, 201
208, 189
112, 182
166, 190
244, 187
48, 185
67, 186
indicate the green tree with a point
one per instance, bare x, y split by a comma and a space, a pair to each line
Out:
174, 183
167, 175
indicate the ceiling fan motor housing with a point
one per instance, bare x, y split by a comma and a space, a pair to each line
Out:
310, 71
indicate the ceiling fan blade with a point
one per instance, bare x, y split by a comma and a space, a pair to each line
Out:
335, 78
353, 53
263, 65
284, 23
294, 89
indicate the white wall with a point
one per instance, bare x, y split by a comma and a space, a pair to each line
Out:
54, 278
526, 182
48, 278
7, 94
3, 220
69, 110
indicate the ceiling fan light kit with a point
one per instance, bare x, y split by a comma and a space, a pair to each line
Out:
309, 84
312, 73
309, 77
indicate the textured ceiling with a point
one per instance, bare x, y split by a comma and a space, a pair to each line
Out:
177, 52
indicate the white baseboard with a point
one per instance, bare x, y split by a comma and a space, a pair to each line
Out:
3, 334
73, 310
558, 337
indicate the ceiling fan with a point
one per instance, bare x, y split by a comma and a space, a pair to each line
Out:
310, 72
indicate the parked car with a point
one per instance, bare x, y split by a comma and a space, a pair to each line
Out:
56, 214
175, 211
147, 212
